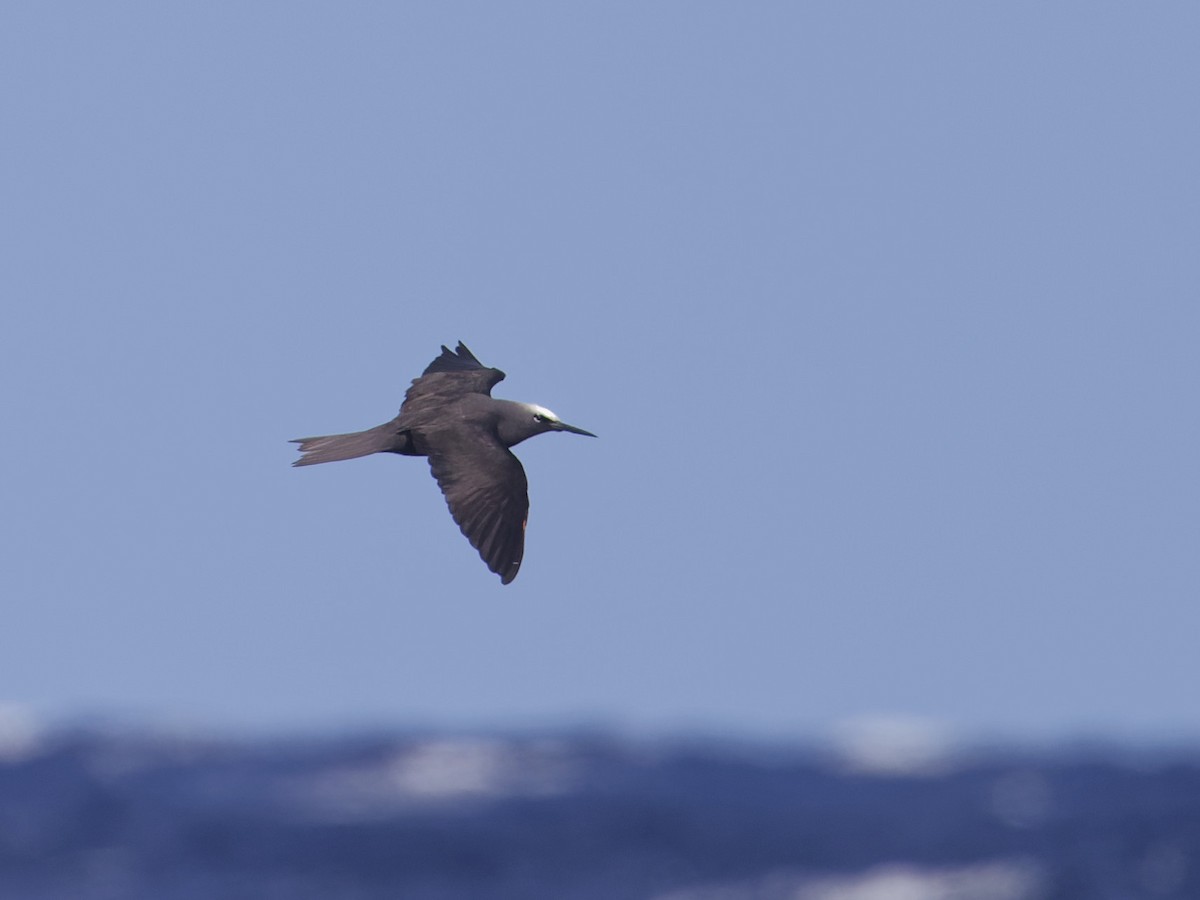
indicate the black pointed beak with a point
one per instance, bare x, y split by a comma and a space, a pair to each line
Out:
563, 426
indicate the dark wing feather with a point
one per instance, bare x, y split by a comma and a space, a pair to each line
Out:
488, 496
460, 360
450, 376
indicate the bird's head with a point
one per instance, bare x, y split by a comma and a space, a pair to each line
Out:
524, 420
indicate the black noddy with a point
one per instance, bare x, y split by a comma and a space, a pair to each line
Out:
450, 416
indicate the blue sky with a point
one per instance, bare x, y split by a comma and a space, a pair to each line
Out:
886, 315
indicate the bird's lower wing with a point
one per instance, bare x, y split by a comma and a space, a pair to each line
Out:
488, 496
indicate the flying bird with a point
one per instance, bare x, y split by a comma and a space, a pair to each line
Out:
450, 416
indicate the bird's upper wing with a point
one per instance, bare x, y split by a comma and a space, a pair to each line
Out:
460, 360
448, 377
488, 496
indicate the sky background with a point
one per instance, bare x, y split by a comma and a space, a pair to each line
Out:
886, 315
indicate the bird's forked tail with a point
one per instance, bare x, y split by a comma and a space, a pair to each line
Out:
333, 447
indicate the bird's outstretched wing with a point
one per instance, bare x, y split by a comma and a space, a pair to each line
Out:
450, 376
488, 496
460, 360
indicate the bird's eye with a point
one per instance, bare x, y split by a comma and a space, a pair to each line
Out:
537, 417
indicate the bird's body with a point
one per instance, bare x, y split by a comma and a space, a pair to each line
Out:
449, 416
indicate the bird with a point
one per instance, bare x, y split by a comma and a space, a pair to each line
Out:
450, 416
